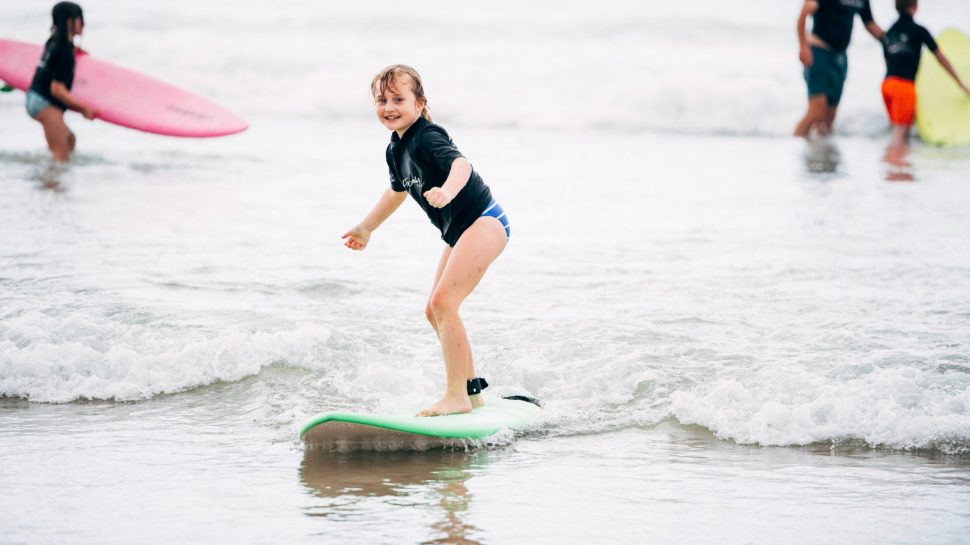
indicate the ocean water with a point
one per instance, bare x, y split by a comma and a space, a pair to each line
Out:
739, 336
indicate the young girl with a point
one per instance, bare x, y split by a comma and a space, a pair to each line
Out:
424, 162
50, 91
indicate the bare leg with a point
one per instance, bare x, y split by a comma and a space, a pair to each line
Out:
900, 135
56, 132
476, 400
464, 267
829, 119
900, 170
437, 277
818, 107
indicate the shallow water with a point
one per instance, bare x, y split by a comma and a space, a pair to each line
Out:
781, 307
738, 336
168, 470
746, 293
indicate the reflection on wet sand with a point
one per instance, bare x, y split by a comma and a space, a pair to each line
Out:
43, 169
433, 482
49, 178
822, 156
900, 169
50, 175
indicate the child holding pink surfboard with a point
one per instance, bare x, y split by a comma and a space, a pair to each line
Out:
50, 90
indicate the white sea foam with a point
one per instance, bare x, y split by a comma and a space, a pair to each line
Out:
88, 357
902, 407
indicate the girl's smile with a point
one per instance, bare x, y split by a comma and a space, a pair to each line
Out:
398, 108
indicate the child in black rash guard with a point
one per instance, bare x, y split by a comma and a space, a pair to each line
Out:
49, 94
902, 46
424, 162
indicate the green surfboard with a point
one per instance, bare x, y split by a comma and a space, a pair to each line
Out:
942, 108
344, 429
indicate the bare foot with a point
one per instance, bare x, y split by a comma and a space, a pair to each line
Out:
447, 405
477, 401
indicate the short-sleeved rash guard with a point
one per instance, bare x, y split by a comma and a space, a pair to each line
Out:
56, 64
422, 159
902, 45
832, 21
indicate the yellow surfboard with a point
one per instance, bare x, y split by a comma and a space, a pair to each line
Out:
942, 108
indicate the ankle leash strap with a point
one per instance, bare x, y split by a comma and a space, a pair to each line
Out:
476, 385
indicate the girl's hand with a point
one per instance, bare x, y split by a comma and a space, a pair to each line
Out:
356, 238
89, 113
438, 197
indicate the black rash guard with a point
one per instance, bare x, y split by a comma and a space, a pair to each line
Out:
56, 64
832, 21
420, 160
902, 45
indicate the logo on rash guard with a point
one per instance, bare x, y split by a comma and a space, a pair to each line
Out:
854, 4
412, 180
899, 45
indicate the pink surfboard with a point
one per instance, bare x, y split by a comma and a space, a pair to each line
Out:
125, 97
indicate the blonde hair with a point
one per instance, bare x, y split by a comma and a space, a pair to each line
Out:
393, 74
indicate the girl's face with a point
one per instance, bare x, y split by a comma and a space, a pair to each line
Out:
75, 27
398, 108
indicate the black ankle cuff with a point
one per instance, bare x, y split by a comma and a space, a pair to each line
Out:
476, 385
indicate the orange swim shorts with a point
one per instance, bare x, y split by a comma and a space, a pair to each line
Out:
900, 97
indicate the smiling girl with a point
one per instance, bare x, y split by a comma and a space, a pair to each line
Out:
424, 162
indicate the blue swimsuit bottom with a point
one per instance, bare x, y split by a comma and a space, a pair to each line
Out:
495, 210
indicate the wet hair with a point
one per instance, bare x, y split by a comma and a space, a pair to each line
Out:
397, 73
61, 15
903, 6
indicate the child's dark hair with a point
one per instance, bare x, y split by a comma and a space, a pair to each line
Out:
396, 73
903, 6
61, 15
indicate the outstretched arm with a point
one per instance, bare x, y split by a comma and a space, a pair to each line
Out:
461, 171
357, 238
949, 68
804, 51
876, 30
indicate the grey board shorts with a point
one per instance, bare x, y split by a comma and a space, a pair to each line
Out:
827, 74
36, 103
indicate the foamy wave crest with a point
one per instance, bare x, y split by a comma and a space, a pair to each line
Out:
904, 407
58, 361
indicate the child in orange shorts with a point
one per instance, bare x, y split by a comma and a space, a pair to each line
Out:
901, 46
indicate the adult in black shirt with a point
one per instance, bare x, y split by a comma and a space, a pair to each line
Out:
823, 55
424, 162
49, 94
